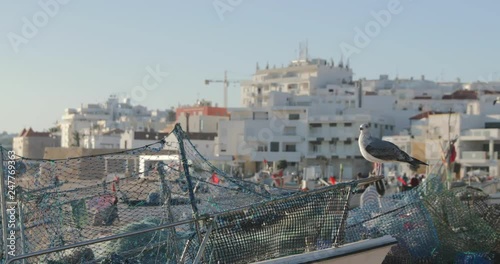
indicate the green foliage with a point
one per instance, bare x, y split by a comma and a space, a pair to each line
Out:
76, 138
54, 129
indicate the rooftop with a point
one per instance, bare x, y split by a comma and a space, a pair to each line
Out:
461, 95
426, 115
31, 133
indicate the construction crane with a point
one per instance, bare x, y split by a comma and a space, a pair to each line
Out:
226, 84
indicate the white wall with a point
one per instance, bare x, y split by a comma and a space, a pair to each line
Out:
102, 141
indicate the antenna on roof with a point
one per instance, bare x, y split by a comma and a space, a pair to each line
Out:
303, 51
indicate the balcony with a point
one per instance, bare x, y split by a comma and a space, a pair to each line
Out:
480, 134
351, 118
288, 138
275, 156
477, 157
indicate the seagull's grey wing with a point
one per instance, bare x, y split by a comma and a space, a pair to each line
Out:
385, 150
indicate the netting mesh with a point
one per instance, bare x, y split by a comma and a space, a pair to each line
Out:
60, 203
282, 227
433, 224
139, 205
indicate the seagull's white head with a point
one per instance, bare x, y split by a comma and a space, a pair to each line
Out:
364, 129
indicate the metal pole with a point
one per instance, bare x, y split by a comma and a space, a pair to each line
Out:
99, 240
3, 206
339, 237
185, 165
225, 89
448, 176
201, 249
21, 227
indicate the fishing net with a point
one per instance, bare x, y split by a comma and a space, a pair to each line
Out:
165, 203
139, 205
432, 224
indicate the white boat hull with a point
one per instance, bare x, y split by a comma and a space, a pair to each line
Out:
370, 251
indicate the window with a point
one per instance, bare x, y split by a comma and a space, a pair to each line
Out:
275, 146
290, 131
333, 124
262, 148
290, 148
315, 147
375, 125
348, 124
332, 147
293, 116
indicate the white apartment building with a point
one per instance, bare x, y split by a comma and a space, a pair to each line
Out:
300, 77
200, 123
477, 145
483, 86
102, 140
309, 114
304, 130
131, 139
416, 87
113, 114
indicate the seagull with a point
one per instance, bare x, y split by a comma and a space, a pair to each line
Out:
380, 151
496, 101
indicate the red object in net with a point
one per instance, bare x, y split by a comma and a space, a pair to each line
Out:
453, 154
333, 181
402, 181
215, 179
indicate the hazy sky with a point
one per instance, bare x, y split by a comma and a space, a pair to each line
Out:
82, 51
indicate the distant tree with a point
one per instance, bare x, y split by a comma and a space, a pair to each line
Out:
171, 116
76, 139
282, 164
54, 129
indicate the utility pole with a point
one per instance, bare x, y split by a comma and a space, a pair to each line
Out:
448, 176
225, 89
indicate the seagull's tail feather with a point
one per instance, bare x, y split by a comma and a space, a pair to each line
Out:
415, 162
